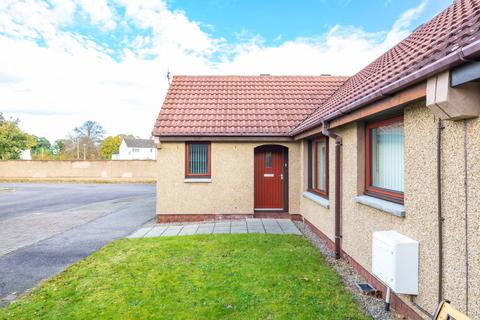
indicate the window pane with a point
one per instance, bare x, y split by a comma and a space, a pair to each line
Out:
312, 161
387, 157
320, 169
311, 172
268, 160
198, 158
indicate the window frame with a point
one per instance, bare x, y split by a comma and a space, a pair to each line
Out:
385, 194
313, 167
187, 159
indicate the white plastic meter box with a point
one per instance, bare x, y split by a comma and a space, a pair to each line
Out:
395, 261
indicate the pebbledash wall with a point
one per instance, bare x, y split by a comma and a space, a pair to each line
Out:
98, 171
230, 191
460, 200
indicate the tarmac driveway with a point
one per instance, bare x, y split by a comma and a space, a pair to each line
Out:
46, 227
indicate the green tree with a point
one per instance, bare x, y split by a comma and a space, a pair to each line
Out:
58, 147
12, 140
109, 146
42, 148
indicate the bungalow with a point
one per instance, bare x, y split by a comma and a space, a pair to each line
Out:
135, 149
390, 154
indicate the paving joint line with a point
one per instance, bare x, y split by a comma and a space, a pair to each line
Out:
179, 231
198, 227
278, 223
161, 234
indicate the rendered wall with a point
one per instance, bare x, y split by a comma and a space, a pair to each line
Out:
107, 171
318, 215
420, 223
231, 188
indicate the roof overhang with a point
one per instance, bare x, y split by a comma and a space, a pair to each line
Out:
223, 138
412, 94
398, 100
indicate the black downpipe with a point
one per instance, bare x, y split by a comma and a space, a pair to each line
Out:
338, 204
467, 266
439, 209
439, 219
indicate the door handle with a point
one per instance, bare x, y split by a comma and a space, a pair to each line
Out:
281, 176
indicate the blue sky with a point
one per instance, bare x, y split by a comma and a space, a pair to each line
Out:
281, 20
67, 61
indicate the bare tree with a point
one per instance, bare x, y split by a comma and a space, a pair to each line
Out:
86, 139
90, 130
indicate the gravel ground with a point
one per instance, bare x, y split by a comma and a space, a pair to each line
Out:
372, 305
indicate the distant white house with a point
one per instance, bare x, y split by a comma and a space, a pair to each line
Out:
136, 149
26, 155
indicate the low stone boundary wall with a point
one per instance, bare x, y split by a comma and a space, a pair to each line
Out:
88, 171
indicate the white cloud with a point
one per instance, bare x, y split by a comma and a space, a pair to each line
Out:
70, 78
100, 12
400, 27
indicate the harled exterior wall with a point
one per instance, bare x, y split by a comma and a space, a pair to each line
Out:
317, 214
420, 223
231, 192
231, 188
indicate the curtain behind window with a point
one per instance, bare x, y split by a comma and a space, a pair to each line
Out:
321, 153
387, 157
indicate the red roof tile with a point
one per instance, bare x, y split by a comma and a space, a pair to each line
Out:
241, 105
444, 35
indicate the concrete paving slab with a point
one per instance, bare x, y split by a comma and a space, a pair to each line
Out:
156, 232
140, 233
254, 224
237, 224
221, 230
271, 221
189, 230
288, 226
206, 228
272, 226
285, 222
204, 231
172, 231
273, 230
237, 231
256, 230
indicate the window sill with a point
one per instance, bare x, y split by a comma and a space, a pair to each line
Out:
197, 180
317, 199
383, 205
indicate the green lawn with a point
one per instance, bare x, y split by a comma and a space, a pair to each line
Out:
241, 276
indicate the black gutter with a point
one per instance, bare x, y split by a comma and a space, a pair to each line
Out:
461, 55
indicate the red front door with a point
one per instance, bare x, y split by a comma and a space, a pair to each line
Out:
269, 178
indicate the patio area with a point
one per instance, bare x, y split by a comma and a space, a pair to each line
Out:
265, 226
